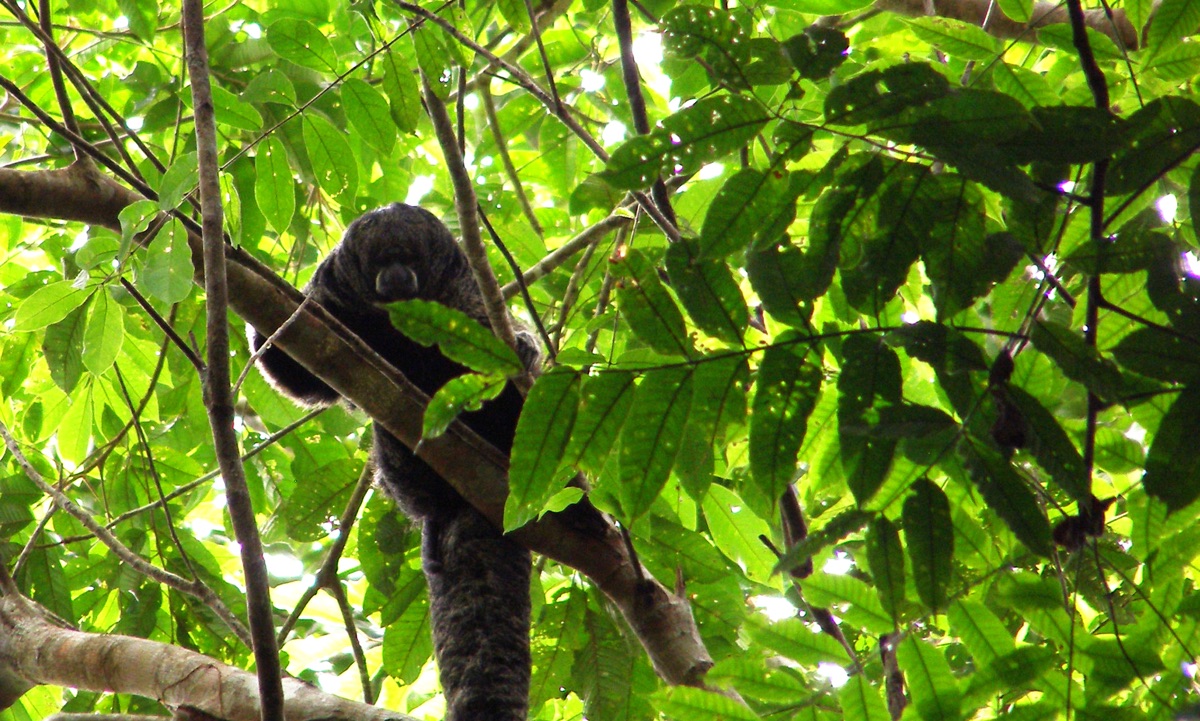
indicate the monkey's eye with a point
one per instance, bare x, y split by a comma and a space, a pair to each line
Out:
396, 282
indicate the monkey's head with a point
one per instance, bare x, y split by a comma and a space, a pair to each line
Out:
397, 252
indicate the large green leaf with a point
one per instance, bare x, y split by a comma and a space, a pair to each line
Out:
870, 381
787, 387
650, 309
708, 291
1006, 493
935, 694
459, 337
651, 436
542, 434
930, 536
605, 400
885, 555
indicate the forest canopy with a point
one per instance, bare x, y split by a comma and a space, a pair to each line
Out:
872, 328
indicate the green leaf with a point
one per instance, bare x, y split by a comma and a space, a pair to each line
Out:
368, 113
1051, 446
1006, 493
870, 379
885, 555
400, 85
713, 36
1174, 20
780, 276
1018, 10
862, 606
63, 349
74, 432
407, 644
302, 43
1181, 62
935, 694
233, 112
837, 529
459, 395
180, 179
651, 436
980, 630
542, 434
708, 292
930, 535
1172, 466
168, 273
699, 134
738, 533
860, 701
1080, 362
735, 217
882, 94
460, 337
1029, 88
964, 267
49, 304
332, 159
1162, 134
104, 334
793, 638
787, 387
274, 187
944, 348
955, 38
1159, 354
1060, 36
685, 703
142, 16
604, 403
650, 309
818, 51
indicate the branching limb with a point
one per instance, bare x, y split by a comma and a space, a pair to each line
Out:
218, 394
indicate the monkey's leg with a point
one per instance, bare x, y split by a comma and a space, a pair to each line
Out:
479, 598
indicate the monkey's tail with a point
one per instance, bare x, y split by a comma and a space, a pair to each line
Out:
479, 599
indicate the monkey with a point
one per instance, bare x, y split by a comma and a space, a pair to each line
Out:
478, 579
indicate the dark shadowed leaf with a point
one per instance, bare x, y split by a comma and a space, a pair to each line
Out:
1051, 445
604, 402
869, 381
458, 336
1006, 493
1172, 465
930, 536
880, 94
650, 309
885, 555
787, 387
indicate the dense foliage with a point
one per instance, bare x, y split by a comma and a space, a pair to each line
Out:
934, 280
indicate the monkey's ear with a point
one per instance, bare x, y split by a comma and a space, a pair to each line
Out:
396, 282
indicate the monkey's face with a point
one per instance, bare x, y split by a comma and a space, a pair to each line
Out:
395, 253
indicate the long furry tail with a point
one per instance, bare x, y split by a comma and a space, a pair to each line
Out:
479, 598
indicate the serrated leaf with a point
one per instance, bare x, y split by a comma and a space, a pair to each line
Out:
1172, 465
650, 309
49, 304
651, 436
708, 292
935, 694
605, 400
786, 393
463, 393
542, 434
838, 528
104, 334
274, 187
885, 555
930, 535
300, 41
460, 337
957, 39
1007, 495
700, 133
737, 532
